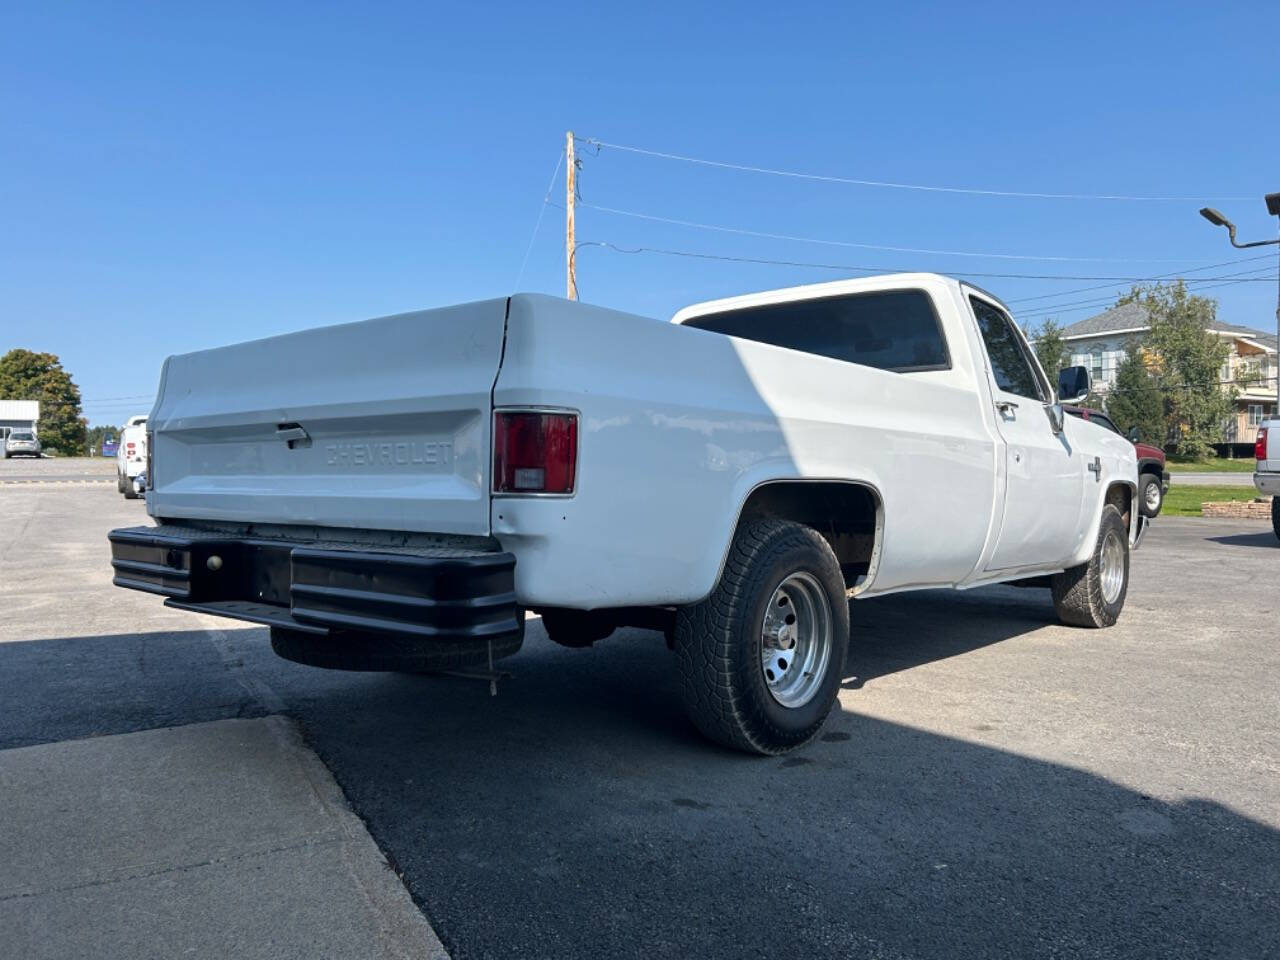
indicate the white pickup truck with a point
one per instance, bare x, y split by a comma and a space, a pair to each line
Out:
395, 494
1267, 476
131, 457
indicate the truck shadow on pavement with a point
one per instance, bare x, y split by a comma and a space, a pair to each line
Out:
905, 630
578, 814
1264, 539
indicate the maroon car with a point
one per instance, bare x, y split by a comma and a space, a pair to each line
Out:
1153, 478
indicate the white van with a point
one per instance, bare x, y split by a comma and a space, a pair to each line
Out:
131, 457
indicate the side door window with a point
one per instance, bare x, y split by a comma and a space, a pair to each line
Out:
1009, 364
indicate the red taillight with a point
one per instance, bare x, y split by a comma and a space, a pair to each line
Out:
534, 452
129, 446
1260, 448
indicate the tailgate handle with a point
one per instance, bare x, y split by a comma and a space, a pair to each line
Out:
293, 434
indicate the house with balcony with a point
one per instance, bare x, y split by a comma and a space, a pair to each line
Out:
1102, 342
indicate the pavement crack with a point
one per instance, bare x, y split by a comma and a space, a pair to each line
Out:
180, 868
257, 689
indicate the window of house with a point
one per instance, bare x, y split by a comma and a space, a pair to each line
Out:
1009, 364
1255, 414
895, 330
1095, 363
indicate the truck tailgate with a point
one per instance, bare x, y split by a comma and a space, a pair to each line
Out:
382, 424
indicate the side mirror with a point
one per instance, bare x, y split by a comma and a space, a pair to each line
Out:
1074, 384
1134, 436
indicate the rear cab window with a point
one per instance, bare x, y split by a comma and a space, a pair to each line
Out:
895, 330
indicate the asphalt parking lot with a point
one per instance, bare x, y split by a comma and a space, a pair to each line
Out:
991, 785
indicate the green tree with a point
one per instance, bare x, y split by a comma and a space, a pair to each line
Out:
25, 375
1190, 360
1136, 401
1051, 350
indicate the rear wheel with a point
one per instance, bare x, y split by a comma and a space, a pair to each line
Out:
1275, 514
119, 482
391, 653
1152, 495
1092, 594
129, 492
761, 659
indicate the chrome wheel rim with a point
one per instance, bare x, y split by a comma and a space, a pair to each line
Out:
1152, 496
796, 640
1112, 566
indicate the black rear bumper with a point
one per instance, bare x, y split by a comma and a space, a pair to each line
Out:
445, 595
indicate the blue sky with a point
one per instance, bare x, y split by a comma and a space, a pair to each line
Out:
172, 179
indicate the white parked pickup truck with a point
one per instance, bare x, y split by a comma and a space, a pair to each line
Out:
395, 494
131, 457
1267, 476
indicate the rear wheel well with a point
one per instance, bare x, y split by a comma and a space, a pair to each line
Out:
848, 515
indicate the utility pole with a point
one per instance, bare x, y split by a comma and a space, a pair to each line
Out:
570, 245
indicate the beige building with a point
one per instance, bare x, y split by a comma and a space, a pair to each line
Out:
1102, 342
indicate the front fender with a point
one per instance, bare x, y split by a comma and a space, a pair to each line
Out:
1094, 519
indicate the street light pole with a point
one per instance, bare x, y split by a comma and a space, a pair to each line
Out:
1218, 220
1273, 208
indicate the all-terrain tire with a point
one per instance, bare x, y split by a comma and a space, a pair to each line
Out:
1275, 514
719, 641
393, 654
1078, 593
1150, 492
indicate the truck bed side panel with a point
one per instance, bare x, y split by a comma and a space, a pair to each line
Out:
679, 425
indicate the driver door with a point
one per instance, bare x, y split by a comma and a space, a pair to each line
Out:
1044, 476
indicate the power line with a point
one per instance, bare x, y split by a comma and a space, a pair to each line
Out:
747, 168
1164, 276
870, 246
1109, 301
1041, 310
538, 223
879, 269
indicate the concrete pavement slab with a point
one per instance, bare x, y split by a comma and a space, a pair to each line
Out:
217, 839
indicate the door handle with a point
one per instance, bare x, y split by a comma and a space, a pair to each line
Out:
1006, 406
293, 434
